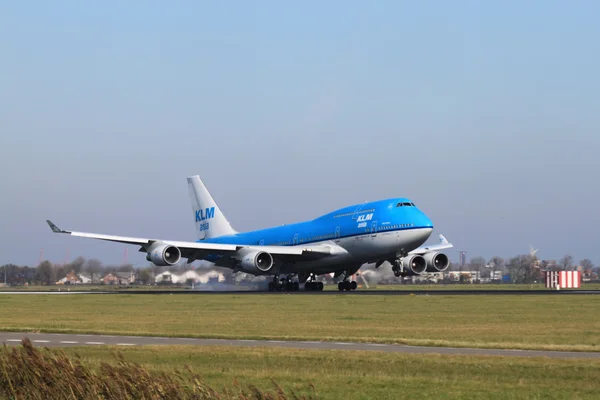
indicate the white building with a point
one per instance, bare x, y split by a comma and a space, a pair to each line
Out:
193, 276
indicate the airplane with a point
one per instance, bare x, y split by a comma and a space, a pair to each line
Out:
339, 242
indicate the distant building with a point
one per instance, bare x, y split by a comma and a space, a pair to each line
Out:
125, 278
189, 276
72, 279
109, 279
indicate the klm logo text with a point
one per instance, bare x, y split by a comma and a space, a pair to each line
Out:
203, 215
364, 217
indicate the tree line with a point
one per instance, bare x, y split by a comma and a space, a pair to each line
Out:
47, 273
526, 268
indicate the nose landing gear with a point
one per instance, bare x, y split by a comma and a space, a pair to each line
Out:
398, 265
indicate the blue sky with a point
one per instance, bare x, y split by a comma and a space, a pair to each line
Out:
484, 114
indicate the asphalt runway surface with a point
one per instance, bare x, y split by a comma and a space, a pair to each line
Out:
70, 340
403, 292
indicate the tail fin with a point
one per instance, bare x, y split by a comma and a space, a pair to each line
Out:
210, 222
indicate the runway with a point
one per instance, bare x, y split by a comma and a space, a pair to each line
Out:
70, 340
403, 292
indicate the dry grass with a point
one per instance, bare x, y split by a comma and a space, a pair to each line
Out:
28, 373
337, 374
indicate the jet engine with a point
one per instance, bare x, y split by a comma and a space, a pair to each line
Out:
256, 262
436, 262
414, 264
163, 254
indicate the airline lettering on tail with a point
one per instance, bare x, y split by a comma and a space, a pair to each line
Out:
203, 215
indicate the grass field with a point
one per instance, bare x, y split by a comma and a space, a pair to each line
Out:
404, 287
466, 286
366, 375
520, 322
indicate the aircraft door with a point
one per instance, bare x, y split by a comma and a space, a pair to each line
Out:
373, 228
337, 234
262, 242
295, 239
355, 215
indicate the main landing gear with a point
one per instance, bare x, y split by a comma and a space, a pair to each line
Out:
347, 286
312, 284
283, 285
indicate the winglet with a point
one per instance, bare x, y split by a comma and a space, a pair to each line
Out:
55, 228
443, 239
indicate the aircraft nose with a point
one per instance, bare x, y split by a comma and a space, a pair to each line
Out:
425, 221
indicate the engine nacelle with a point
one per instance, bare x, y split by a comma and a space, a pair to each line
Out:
414, 265
256, 262
436, 262
163, 254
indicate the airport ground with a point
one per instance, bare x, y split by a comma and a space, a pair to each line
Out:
339, 374
549, 322
331, 287
545, 322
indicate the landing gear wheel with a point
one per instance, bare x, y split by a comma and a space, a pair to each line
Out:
397, 268
313, 286
347, 286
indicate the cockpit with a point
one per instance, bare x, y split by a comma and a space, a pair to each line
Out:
405, 204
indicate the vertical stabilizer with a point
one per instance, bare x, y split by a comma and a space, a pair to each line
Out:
210, 221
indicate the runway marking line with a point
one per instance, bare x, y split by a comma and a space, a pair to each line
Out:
13, 340
40, 341
125, 344
94, 342
68, 342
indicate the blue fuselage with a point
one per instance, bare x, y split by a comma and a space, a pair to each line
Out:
398, 214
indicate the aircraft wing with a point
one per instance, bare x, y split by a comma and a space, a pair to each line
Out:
443, 245
197, 250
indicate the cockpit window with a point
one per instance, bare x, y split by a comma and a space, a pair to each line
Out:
405, 204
